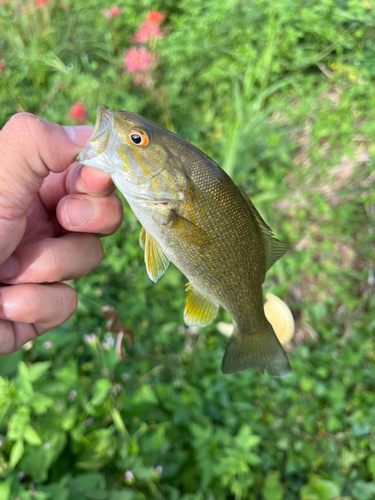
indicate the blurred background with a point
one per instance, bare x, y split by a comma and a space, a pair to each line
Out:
281, 95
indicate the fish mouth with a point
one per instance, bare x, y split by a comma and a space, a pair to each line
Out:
92, 154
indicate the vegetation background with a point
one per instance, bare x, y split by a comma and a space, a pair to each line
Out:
281, 94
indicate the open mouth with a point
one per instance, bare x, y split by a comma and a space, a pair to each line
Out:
97, 144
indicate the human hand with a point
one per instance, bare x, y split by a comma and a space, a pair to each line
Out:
51, 215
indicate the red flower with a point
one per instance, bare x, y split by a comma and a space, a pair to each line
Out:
77, 112
114, 11
2, 66
155, 17
39, 3
147, 31
137, 59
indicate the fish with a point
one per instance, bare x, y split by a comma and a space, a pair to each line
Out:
193, 215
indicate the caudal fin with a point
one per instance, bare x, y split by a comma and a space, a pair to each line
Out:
260, 350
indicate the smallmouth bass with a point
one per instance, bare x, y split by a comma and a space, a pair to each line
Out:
193, 215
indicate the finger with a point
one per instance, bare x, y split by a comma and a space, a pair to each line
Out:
33, 310
30, 149
89, 180
53, 259
92, 214
77, 179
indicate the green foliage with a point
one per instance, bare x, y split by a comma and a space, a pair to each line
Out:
280, 94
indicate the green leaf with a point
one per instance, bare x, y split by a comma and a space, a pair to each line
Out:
273, 488
371, 466
18, 423
87, 482
24, 387
145, 395
69, 418
319, 489
68, 373
101, 391
41, 403
32, 437
119, 423
306, 384
16, 454
37, 370
37, 460
363, 490
5, 487
245, 439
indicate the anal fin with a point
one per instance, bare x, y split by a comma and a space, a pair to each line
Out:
155, 259
142, 238
199, 310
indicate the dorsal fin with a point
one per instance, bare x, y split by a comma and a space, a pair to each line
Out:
155, 259
274, 248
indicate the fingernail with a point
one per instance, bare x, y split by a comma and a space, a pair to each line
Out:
77, 211
9, 268
79, 135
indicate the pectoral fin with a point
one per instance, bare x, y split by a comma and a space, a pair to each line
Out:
274, 248
155, 259
199, 310
185, 228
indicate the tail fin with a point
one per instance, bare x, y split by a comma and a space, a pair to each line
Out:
261, 350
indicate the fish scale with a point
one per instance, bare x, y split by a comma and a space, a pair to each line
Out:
193, 215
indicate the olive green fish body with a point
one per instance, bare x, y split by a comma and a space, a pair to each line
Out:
193, 215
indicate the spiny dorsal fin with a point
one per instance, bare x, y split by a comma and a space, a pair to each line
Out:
199, 310
142, 238
156, 261
274, 248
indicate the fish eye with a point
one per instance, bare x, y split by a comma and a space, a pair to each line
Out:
138, 137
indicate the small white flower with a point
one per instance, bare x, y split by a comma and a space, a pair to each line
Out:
129, 475
72, 395
28, 345
109, 339
115, 389
89, 338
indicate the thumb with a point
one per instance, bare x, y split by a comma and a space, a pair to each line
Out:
30, 148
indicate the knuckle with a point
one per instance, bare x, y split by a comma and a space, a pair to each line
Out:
53, 263
96, 250
7, 337
25, 130
69, 304
23, 124
117, 215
